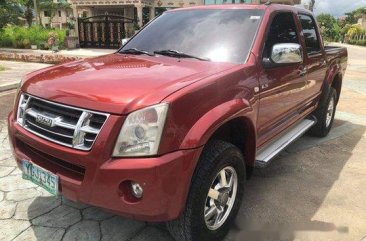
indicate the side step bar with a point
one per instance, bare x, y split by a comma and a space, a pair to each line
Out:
265, 155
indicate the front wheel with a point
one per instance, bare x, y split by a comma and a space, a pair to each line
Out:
215, 196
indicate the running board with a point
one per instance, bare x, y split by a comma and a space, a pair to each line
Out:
264, 156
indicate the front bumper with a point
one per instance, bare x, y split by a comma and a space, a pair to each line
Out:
97, 179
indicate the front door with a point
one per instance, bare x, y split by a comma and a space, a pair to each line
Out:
281, 87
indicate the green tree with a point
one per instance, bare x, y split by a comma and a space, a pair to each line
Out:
28, 13
10, 10
352, 17
329, 27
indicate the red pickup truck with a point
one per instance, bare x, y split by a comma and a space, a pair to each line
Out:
170, 126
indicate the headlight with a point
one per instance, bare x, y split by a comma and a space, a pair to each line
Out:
18, 91
140, 134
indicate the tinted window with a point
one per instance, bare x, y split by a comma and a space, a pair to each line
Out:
217, 34
282, 30
309, 30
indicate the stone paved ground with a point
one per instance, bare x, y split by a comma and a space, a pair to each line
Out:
313, 191
27, 212
14, 72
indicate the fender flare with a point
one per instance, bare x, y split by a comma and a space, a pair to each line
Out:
210, 122
335, 70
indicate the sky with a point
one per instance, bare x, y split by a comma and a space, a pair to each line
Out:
336, 7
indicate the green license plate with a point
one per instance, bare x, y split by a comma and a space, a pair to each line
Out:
40, 176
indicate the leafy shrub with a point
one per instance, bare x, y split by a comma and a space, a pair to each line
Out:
23, 37
361, 42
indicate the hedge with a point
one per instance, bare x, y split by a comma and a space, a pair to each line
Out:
357, 42
24, 37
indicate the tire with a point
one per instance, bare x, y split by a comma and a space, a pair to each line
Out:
325, 115
192, 225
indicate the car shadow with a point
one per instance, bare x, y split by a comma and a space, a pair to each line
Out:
279, 200
283, 198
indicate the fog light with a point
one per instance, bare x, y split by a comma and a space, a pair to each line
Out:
137, 190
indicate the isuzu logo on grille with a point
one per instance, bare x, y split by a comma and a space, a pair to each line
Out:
44, 120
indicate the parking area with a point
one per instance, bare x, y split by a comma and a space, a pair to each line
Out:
315, 190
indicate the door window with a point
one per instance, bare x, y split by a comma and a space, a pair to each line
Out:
282, 30
310, 34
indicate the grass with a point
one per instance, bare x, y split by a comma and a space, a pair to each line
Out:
2, 68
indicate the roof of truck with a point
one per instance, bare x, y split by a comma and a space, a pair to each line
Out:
273, 7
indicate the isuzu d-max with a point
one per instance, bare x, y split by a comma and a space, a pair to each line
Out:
170, 126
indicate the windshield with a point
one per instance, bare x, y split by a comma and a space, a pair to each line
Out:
220, 35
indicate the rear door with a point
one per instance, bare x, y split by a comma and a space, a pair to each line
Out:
281, 87
315, 62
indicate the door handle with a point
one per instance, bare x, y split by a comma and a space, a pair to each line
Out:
303, 71
323, 63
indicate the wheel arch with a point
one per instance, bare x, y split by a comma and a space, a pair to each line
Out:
240, 132
233, 122
337, 84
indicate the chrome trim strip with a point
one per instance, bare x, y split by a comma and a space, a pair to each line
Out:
44, 129
80, 129
59, 122
265, 155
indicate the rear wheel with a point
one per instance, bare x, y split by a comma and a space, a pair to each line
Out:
215, 195
325, 115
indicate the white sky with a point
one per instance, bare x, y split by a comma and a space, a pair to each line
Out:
336, 7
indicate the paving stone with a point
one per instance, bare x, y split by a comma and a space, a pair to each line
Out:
11, 228
7, 209
7, 160
83, 231
17, 171
120, 229
12, 183
94, 213
1, 196
153, 234
4, 171
32, 208
35, 233
60, 217
24, 194
43, 192
74, 204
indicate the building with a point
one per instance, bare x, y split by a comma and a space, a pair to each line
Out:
103, 23
289, 2
362, 21
142, 11
56, 19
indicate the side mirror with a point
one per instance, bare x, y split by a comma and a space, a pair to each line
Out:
284, 54
124, 41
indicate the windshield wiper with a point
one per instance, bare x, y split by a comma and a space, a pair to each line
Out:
175, 53
136, 51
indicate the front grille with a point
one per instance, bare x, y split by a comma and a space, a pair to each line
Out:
65, 125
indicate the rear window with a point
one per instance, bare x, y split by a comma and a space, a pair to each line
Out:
222, 35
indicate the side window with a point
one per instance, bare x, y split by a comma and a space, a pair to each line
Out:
311, 38
282, 30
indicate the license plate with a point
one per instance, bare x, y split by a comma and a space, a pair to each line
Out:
40, 176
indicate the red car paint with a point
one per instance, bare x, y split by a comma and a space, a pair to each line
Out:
117, 84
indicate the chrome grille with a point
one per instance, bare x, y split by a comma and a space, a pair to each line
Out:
65, 125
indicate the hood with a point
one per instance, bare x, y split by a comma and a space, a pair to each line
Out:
117, 83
